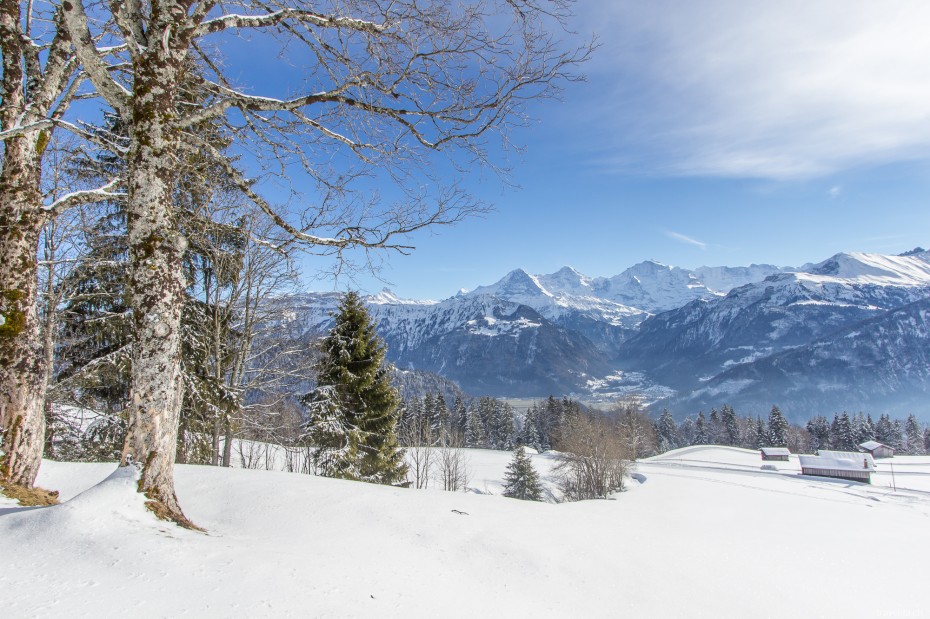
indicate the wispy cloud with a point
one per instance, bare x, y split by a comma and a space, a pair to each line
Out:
685, 239
788, 89
835, 191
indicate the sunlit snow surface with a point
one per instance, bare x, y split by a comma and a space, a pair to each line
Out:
704, 532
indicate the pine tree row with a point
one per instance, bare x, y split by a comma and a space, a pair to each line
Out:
844, 433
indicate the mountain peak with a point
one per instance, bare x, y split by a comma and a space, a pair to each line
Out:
516, 284
874, 269
567, 280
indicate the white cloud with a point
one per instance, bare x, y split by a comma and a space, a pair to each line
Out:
752, 88
835, 191
686, 239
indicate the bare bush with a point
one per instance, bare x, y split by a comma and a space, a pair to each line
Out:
417, 437
594, 459
452, 463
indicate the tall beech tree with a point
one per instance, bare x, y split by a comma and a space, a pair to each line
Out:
383, 85
40, 79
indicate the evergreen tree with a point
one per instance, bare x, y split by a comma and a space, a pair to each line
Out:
530, 434
863, 430
778, 428
759, 435
715, 433
927, 440
441, 418
506, 426
487, 412
354, 410
913, 436
730, 425
841, 433
885, 431
431, 415
700, 430
897, 437
686, 432
521, 481
97, 324
474, 431
819, 429
666, 432
459, 416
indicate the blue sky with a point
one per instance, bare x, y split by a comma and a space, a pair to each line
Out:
721, 132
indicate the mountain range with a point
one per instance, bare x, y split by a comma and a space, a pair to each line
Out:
847, 333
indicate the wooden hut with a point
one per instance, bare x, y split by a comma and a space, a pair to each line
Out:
878, 450
847, 465
775, 453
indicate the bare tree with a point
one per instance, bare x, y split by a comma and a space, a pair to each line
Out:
417, 438
636, 428
594, 459
452, 463
389, 83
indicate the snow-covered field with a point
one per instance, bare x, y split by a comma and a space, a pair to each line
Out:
702, 532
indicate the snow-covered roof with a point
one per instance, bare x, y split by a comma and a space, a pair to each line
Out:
775, 451
872, 445
838, 460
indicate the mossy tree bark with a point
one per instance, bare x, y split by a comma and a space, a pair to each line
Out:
22, 360
157, 281
31, 92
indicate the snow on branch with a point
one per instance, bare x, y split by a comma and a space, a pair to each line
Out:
85, 196
273, 19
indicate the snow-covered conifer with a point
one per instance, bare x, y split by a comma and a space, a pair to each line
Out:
730, 425
354, 410
700, 430
913, 436
777, 428
521, 481
666, 432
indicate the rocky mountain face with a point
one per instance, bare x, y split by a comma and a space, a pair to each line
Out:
879, 364
682, 335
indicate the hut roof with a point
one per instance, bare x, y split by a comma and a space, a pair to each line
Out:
872, 445
775, 451
838, 460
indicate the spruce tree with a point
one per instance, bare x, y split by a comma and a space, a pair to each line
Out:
530, 435
700, 430
354, 409
913, 435
819, 429
475, 435
666, 432
715, 434
841, 433
521, 481
459, 416
730, 425
759, 436
778, 428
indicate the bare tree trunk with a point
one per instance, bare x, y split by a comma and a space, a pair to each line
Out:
22, 358
227, 445
156, 285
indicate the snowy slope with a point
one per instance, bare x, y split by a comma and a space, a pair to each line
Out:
703, 534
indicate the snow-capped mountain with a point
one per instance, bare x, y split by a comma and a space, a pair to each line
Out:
688, 347
676, 329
